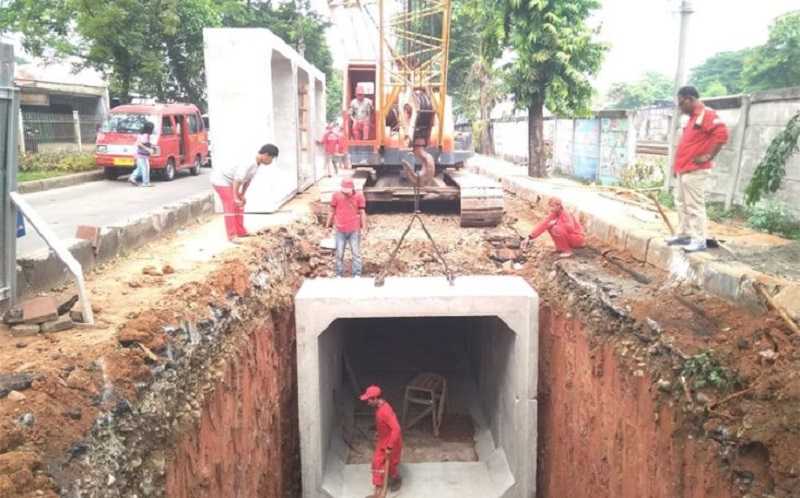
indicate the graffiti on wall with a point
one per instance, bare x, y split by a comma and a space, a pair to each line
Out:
614, 149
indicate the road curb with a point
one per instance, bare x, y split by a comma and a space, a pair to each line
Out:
42, 269
732, 282
59, 182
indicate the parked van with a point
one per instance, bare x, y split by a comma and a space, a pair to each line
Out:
181, 139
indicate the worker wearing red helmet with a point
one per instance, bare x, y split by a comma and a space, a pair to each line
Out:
349, 215
565, 230
389, 440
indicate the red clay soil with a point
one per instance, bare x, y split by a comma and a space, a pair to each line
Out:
245, 442
603, 432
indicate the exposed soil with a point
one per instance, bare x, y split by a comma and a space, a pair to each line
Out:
740, 406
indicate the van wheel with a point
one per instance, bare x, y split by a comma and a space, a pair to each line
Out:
196, 167
169, 171
110, 173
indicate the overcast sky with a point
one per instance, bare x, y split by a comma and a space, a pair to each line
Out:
643, 34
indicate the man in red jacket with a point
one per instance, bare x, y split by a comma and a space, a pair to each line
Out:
703, 137
565, 230
390, 440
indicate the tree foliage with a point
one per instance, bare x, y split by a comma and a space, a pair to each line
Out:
649, 89
556, 53
473, 79
154, 48
721, 74
777, 63
770, 172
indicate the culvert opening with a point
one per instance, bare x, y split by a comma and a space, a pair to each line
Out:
479, 335
463, 361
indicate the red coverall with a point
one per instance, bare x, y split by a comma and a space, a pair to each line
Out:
389, 436
566, 232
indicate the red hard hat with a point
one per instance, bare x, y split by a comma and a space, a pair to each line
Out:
371, 392
347, 183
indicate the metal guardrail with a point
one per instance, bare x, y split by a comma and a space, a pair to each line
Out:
9, 110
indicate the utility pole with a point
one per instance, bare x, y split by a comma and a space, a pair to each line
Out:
680, 79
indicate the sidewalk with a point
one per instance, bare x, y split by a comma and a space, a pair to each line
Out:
728, 273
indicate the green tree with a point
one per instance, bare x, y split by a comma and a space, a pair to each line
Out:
555, 55
723, 70
777, 63
334, 97
649, 89
476, 45
155, 47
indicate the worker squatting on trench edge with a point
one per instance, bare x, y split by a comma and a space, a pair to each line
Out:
565, 230
702, 139
389, 445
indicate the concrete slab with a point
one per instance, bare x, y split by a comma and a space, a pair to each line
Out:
252, 72
427, 480
503, 316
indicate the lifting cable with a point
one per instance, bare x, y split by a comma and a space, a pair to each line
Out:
381, 277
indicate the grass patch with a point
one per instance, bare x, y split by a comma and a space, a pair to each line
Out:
30, 176
704, 370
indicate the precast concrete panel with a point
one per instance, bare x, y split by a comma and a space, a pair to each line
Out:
252, 80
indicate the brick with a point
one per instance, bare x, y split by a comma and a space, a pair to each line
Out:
63, 323
25, 330
90, 233
39, 310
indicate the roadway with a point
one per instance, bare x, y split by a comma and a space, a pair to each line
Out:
104, 203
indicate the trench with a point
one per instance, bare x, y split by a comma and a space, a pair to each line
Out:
597, 429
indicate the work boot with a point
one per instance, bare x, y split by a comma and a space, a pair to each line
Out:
395, 484
680, 240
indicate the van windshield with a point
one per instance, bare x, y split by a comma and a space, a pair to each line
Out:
128, 123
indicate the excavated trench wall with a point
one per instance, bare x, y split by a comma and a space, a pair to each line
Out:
245, 440
603, 431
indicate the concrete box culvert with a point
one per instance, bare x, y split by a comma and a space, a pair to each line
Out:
481, 334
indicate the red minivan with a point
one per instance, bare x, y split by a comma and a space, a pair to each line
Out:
181, 139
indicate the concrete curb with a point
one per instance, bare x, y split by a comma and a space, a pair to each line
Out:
59, 182
42, 269
729, 280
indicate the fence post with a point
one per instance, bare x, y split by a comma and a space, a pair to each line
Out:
21, 133
741, 134
76, 119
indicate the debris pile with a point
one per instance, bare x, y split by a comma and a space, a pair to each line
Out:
44, 315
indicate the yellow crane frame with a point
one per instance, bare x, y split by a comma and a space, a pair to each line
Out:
422, 64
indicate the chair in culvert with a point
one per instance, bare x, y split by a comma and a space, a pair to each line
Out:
428, 391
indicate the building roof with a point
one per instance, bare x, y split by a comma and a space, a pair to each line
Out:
59, 78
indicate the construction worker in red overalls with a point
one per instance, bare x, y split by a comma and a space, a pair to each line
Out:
390, 441
565, 230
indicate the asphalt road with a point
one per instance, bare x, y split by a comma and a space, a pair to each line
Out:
104, 202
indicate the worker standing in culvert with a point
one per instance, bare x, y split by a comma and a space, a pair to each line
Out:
389, 446
702, 139
565, 230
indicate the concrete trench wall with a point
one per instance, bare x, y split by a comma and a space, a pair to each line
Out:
253, 80
504, 311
